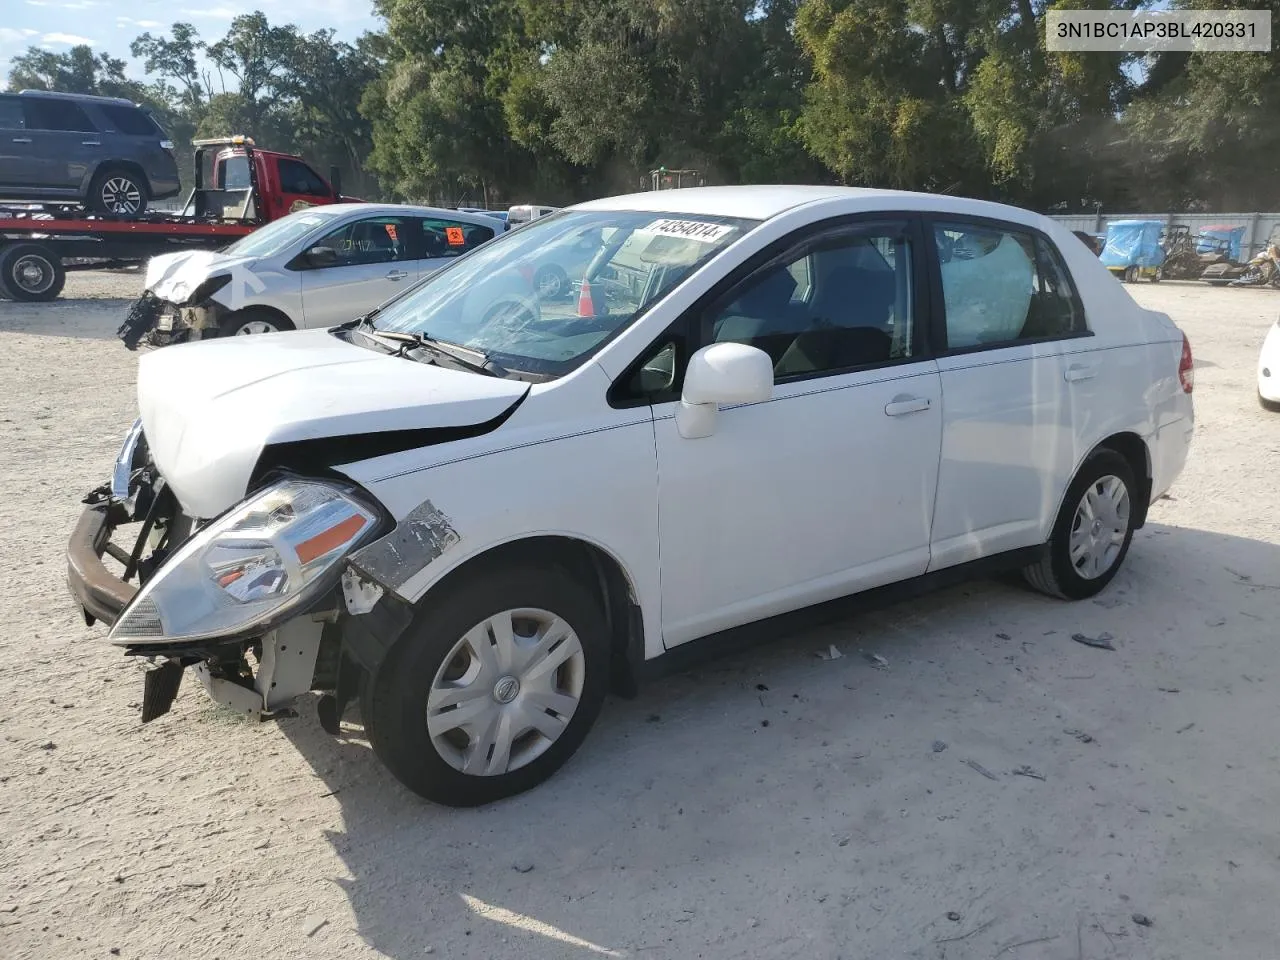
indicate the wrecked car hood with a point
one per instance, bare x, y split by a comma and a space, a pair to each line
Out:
210, 408
175, 276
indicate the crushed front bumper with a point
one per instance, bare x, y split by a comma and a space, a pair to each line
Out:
101, 595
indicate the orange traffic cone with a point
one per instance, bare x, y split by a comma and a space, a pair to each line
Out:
586, 306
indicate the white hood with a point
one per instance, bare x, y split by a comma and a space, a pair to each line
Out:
209, 408
175, 276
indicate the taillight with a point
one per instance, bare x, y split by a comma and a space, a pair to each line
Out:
1187, 367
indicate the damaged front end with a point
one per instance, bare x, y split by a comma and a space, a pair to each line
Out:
259, 602
159, 322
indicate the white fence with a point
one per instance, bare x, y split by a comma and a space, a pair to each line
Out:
1257, 226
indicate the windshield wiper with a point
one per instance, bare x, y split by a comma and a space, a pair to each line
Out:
451, 351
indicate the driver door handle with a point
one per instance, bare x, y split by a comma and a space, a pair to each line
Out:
1079, 371
903, 404
21, 139
90, 143
396, 275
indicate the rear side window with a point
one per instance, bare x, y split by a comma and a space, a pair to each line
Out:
130, 120
297, 177
1003, 286
42, 114
452, 238
11, 114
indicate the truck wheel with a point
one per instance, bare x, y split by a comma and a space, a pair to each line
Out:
118, 191
31, 272
245, 322
1092, 533
494, 686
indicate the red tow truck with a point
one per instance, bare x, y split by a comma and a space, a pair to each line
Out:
237, 189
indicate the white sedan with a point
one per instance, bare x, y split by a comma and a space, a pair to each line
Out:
1269, 370
759, 400
313, 268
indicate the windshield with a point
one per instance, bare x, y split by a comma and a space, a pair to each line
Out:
274, 237
543, 298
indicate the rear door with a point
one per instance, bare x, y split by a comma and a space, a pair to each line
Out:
1008, 425
18, 168
66, 144
444, 240
377, 258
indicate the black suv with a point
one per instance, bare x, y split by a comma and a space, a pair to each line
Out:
106, 153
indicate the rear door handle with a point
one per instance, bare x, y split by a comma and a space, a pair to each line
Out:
90, 143
1080, 371
396, 275
21, 139
902, 405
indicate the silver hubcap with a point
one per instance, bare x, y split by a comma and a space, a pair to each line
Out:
1100, 526
33, 274
549, 284
506, 692
120, 195
255, 326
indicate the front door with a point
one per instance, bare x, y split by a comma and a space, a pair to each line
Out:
827, 488
378, 257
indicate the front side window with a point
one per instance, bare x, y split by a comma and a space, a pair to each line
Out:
1003, 286
452, 238
610, 266
837, 303
50, 114
130, 120
371, 240
297, 177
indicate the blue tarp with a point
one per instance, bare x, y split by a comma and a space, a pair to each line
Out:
1133, 243
1224, 232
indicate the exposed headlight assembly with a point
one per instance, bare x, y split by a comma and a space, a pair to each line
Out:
255, 566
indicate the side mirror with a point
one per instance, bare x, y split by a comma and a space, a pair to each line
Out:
722, 373
321, 257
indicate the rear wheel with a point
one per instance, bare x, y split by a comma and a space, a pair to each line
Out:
551, 281
1093, 530
494, 686
245, 322
31, 272
118, 191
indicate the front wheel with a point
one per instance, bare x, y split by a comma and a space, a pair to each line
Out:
1093, 530
246, 322
494, 686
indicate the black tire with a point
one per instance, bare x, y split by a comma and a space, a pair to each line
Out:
1055, 574
554, 279
31, 273
118, 191
234, 324
395, 703
1131, 275
1271, 406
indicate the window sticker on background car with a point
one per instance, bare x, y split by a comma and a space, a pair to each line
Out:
391, 231
690, 230
454, 236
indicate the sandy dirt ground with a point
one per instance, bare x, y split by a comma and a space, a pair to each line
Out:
772, 805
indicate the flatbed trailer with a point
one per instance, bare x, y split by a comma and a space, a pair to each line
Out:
237, 189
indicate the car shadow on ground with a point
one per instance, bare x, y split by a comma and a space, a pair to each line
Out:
96, 319
760, 767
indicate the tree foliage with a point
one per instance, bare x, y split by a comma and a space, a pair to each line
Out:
502, 101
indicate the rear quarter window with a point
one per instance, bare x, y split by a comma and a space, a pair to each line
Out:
130, 120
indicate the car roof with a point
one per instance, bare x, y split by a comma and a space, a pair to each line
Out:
82, 97
446, 213
760, 202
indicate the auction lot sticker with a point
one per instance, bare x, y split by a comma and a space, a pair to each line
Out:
1200, 31
690, 230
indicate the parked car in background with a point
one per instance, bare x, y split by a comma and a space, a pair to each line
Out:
525, 213
314, 268
496, 214
765, 398
106, 153
1269, 370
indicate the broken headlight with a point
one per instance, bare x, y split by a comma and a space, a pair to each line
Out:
252, 568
